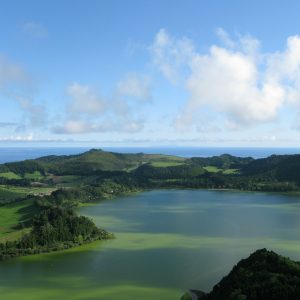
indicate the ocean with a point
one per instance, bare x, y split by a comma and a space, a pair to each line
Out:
10, 154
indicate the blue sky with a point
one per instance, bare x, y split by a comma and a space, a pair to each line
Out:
186, 73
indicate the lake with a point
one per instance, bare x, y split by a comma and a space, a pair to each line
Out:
167, 241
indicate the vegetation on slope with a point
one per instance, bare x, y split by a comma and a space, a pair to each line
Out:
264, 275
15, 219
224, 161
99, 170
54, 227
96, 175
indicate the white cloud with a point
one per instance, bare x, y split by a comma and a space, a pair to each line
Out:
72, 126
16, 85
284, 67
171, 54
17, 138
285, 64
85, 100
35, 30
236, 81
85, 126
225, 38
89, 112
135, 86
228, 82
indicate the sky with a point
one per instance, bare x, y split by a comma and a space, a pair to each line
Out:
150, 73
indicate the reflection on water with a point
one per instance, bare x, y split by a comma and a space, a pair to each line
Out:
166, 242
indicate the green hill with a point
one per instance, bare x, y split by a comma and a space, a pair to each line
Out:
279, 167
87, 163
274, 173
224, 161
264, 275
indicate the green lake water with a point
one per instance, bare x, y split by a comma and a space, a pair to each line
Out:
167, 241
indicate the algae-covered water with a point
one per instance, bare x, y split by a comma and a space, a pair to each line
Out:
167, 241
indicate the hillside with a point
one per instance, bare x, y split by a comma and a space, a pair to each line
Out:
280, 167
111, 171
86, 163
224, 161
263, 275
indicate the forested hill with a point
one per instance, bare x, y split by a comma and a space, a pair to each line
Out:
274, 173
263, 275
53, 225
281, 167
86, 163
96, 159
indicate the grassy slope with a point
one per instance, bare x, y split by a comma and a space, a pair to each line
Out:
164, 164
34, 176
231, 171
93, 159
213, 169
109, 161
10, 216
10, 175
163, 161
86, 163
10, 193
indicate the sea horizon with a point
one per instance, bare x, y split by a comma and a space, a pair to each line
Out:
18, 153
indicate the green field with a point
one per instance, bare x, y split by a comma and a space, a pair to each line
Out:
10, 216
34, 176
163, 161
231, 171
213, 169
10, 175
166, 163
10, 193
159, 161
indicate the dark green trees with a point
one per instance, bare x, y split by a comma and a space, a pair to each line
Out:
54, 228
264, 275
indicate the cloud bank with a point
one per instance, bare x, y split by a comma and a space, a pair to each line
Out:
235, 80
134, 86
89, 112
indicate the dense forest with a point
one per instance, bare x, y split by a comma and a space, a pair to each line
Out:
263, 275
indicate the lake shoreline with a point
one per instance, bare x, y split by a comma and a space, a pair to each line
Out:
140, 191
169, 240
